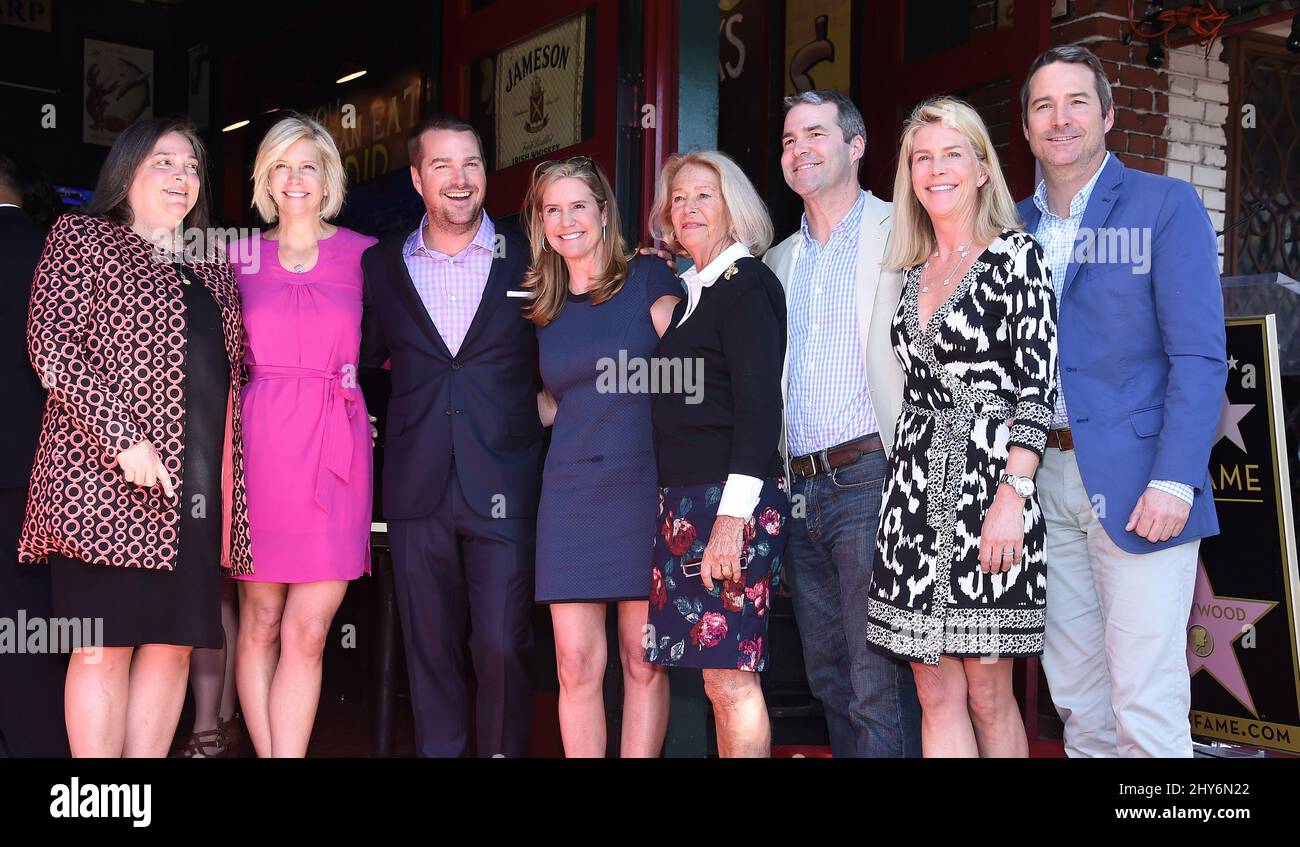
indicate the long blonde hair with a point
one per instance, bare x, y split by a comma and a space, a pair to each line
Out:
548, 276
912, 237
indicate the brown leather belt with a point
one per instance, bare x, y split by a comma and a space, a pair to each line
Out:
837, 456
1061, 439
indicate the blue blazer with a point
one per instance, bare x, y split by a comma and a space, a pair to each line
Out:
1142, 347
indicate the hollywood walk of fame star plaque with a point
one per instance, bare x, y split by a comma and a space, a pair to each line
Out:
1241, 637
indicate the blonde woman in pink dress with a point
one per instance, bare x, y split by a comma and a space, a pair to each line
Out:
306, 432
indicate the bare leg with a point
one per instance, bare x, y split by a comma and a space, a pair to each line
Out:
580, 657
740, 713
257, 651
645, 686
993, 709
946, 730
158, 676
95, 696
295, 691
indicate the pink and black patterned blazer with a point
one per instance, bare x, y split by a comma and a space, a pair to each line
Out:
106, 334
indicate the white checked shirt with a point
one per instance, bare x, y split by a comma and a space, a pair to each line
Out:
1057, 237
828, 402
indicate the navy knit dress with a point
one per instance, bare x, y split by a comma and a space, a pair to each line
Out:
597, 518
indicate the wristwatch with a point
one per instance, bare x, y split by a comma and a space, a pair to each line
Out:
1022, 485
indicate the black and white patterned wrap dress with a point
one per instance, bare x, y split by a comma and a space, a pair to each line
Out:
987, 355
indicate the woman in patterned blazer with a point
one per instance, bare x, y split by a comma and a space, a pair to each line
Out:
135, 329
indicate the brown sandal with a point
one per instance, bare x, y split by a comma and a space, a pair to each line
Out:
208, 744
237, 742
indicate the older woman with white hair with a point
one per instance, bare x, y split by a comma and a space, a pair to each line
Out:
307, 433
959, 585
717, 433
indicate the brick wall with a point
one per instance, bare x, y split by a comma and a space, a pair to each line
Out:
1198, 112
1168, 121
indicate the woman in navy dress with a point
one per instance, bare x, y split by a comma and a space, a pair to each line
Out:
599, 317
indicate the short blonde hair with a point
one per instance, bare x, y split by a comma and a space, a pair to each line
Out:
548, 276
912, 234
750, 223
280, 138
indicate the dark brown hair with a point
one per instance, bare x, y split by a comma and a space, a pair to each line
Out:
1073, 54
129, 151
434, 123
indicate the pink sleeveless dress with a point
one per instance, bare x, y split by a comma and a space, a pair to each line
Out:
307, 449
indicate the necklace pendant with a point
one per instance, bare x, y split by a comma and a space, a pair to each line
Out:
298, 269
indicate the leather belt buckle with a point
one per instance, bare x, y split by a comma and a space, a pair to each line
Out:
1061, 439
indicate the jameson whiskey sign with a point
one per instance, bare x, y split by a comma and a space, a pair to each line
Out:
1241, 636
539, 93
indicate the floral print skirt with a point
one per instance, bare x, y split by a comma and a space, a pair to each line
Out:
725, 628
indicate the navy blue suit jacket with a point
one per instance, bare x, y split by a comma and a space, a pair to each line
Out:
480, 403
1142, 346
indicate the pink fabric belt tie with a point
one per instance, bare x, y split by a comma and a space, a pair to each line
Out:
340, 407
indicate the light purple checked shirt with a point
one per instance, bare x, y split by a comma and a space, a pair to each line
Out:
451, 286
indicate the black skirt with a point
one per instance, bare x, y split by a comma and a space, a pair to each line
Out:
181, 606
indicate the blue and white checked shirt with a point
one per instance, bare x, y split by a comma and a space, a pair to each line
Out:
827, 400
1057, 236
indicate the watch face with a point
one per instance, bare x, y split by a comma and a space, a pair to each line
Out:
1024, 487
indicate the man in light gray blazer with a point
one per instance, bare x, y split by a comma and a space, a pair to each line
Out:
843, 388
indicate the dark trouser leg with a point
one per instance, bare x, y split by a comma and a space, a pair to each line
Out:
884, 711
433, 607
815, 595
498, 556
869, 698
31, 684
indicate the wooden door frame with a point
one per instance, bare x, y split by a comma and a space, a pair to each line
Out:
1236, 49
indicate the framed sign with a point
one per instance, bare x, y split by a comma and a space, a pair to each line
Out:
117, 89
28, 14
370, 121
1241, 637
539, 93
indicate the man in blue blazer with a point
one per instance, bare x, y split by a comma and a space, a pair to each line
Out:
1124, 484
463, 449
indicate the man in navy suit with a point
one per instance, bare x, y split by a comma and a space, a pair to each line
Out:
463, 449
1124, 484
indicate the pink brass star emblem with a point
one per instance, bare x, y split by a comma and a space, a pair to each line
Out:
1213, 628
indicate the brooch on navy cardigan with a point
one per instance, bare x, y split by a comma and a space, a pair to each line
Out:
730, 272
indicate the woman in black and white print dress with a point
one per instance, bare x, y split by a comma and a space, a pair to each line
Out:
959, 585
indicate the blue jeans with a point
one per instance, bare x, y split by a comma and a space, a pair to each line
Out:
869, 698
